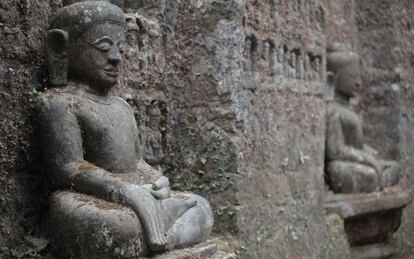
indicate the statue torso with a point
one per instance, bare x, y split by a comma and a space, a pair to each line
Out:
351, 125
108, 129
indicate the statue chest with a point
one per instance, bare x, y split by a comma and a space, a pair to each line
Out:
351, 127
109, 135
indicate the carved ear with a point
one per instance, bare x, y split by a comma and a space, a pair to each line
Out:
56, 47
330, 77
56, 42
330, 94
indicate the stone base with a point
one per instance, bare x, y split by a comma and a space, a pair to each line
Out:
202, 251
84, 227
372, 228
370, 219
351, 205
377, 251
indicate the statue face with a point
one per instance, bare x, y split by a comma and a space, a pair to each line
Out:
95, 57
349, 80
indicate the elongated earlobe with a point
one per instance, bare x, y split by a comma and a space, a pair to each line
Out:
330, 86
56, 50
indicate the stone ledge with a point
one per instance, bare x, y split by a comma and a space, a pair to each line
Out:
351, 205
202, 251
376, 251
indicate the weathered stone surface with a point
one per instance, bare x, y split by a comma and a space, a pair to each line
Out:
351, 205
386, 37
202, 251
22, 25
175, 101
90, 146
372, 228
378, 251
82, 226
370, 218
352, 166
336, 244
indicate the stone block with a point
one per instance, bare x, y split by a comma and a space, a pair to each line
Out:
377, 251
85, 227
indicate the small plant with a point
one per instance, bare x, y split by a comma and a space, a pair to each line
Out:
285, 162
204, 160
221, 210
303, 158
163, 129
201, 172
33, 94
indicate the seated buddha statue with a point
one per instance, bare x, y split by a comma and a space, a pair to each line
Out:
90, 144
352, 166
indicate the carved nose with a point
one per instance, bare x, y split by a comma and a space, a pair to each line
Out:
114, 56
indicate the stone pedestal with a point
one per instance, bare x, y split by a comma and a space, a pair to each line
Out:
87, 228
376, 251
202, 251
370, 219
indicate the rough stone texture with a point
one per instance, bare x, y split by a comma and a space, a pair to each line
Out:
381, 33
202, 251
214, 115
381, 251
283, 130
386, 42
107, 228
22, 73
336, 245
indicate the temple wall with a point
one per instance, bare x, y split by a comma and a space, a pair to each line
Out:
22, 71
229, 98
283, 130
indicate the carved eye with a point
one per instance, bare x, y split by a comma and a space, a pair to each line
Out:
104, 46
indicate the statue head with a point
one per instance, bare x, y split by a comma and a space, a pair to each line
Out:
85, 44
124, 4
343, 70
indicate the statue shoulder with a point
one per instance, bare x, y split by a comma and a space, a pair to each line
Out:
332, 110
53, 101
124, 103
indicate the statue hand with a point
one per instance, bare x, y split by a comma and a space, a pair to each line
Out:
161, 188
162, 182
379, 166
370, 150
142, 201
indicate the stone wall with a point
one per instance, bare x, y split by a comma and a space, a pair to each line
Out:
22, 74
384, 42
229, 100
281, 188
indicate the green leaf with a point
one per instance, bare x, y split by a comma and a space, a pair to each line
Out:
204, 160
285, 162
303, 158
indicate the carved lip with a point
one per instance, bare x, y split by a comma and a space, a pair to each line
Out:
111, 72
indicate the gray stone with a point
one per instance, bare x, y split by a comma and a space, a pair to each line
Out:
376, 251
202, 251
91, 147
369, 218
352, 166
351, 205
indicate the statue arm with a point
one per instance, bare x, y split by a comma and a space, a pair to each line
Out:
148, 173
